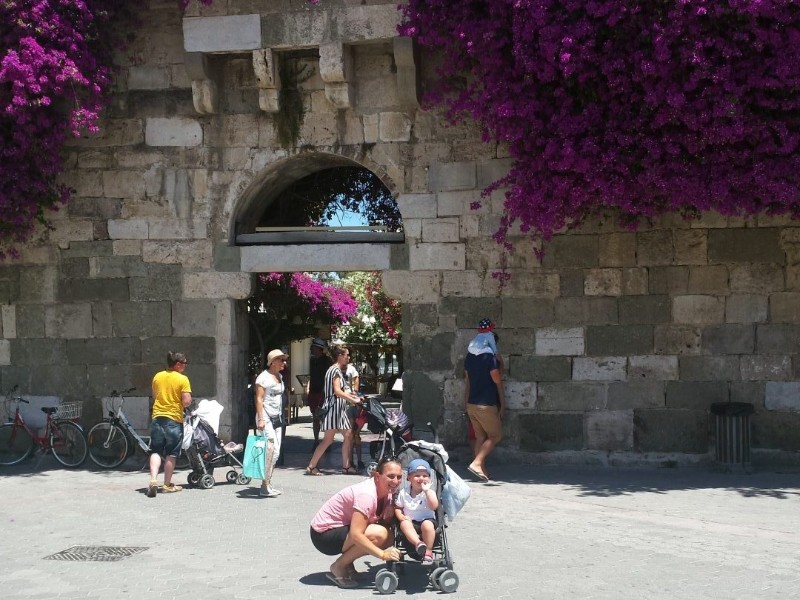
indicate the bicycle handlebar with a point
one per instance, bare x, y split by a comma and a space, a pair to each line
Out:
122, 393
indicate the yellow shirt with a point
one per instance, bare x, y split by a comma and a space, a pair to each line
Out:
167, 388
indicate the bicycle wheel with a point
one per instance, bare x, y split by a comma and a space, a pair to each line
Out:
67, 443
108, 445
15, 444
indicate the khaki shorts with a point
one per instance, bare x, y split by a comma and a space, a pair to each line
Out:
485, 420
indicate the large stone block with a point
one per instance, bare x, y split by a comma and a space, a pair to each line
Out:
760, 367
668, 280
696, 395
571, 396
422, 397
111, 267
163, 282
580, 310
30, 320
782, 396
571, 282
603, 282
520, 395
104, 351
433, 353
69, 381
659, 368
745, 246
440, 230
315, 257
698, 309
217, 285
191, 254
445, 257
412, 288
777, 339
490, 171
175, 131
526, 312
394, 127
677, 339
234, 33
619, 340
776, 431
635, 281
92, 290
624, 395
128, 229
691, 246
194, 317
8, 320
639, 310
609, 430
147, 77
752, 392
729, 339
88, 249
141, 319
550, 432
560, 342
708, 279
745, 308
36, 352
654, 247
670, 431
534, 284
469, 311
617, 250
466, 284
456, 204
68, 320
38, 284
539, 368
601, 368
784, 307
709, 368
579, 251
756, 279
443, 177
199, 350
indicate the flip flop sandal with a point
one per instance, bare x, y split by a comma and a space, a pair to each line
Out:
315, 471
478, 474
343, 582
351, 470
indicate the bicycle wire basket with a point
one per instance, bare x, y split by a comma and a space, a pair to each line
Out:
71, 410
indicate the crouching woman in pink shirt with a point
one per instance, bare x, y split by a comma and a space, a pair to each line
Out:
354, 523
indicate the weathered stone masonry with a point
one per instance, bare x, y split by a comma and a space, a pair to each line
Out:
615, 345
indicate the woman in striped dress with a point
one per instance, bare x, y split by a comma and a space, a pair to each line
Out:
337, 395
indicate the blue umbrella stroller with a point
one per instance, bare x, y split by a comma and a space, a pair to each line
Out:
441, 575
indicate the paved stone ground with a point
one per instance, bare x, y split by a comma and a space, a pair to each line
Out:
542, 532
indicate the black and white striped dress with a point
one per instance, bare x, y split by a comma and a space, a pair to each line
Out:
336, 417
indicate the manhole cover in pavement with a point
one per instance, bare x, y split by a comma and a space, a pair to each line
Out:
95, 553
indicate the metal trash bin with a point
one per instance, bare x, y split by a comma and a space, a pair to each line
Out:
732, 432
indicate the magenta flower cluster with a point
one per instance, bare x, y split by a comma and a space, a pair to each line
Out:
55, 72
636, 108
320, 298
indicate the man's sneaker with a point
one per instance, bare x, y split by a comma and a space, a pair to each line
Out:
152, 488
168, 488
428, 560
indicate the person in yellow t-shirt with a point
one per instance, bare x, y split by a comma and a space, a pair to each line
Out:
172, 393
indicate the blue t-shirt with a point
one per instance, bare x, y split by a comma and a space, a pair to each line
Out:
482, 390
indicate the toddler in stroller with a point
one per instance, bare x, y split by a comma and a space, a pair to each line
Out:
206, 451
436, 554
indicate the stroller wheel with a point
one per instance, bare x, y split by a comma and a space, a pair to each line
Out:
434, 577
231, 476
448, 581
386, 581
371, 468
242, 480
193, 478
207, 482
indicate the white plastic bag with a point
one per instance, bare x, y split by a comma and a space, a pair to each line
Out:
455, 494
189, 423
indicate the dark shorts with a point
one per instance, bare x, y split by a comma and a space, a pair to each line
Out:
166, 436
330, 542
315, 401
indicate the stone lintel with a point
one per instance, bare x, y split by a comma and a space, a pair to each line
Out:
233, 33
315, 257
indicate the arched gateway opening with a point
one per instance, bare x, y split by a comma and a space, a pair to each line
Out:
317, 214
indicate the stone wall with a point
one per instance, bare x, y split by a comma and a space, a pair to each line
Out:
614, 345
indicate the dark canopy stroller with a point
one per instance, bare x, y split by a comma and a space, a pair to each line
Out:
441, 576
391, 428
206, 451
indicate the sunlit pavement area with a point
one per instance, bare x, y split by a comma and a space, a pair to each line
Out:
539, 532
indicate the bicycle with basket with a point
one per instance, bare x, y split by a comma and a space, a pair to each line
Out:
112, 441
62, 436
